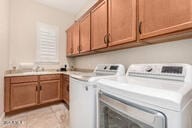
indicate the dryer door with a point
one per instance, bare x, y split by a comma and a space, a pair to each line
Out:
116, 113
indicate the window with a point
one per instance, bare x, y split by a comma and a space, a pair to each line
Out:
47, 43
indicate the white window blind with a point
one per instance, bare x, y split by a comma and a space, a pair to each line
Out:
47, 43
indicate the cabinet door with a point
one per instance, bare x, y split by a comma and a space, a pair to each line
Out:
99, 26
66, 89
160, 17
49, 91
85, 31
69, 33
122, 21
75, 39
24, 95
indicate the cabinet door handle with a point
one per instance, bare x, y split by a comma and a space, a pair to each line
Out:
105, 39
40, 88
36, 88
108, 37
140, 27
86, 88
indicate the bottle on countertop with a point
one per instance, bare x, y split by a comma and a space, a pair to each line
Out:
64, 69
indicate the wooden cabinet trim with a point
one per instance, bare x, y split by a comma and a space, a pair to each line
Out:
173, 29
24, 79
98, 6
49, 77
7, 89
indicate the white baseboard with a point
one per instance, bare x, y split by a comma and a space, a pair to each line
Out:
2, 116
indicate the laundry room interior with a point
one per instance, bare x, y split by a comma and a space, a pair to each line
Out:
95, 64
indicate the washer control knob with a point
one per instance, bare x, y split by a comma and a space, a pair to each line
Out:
105, 67
149, 69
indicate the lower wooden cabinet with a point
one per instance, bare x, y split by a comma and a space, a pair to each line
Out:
24, 92
49, 91
24, 95
66, 89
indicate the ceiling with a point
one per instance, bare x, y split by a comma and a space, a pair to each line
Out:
70, 6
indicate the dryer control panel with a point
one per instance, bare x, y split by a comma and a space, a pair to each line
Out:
110, 69
178, 72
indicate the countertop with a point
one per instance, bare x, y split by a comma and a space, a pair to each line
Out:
42, 73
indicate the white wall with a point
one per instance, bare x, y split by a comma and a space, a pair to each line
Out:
172, 52
24, 16
85, 8
4, 26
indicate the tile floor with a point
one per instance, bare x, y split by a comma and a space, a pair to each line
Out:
55, 116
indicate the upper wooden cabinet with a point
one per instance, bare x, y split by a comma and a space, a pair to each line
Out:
131, 23
69, 33
99, 26
85, 33
75, 39
159, 17
122, 21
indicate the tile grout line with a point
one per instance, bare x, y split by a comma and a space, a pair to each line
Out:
55, 115
26, 116
2, 116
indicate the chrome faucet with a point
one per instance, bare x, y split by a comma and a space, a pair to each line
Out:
38, 68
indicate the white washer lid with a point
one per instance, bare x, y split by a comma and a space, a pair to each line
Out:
173, 95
